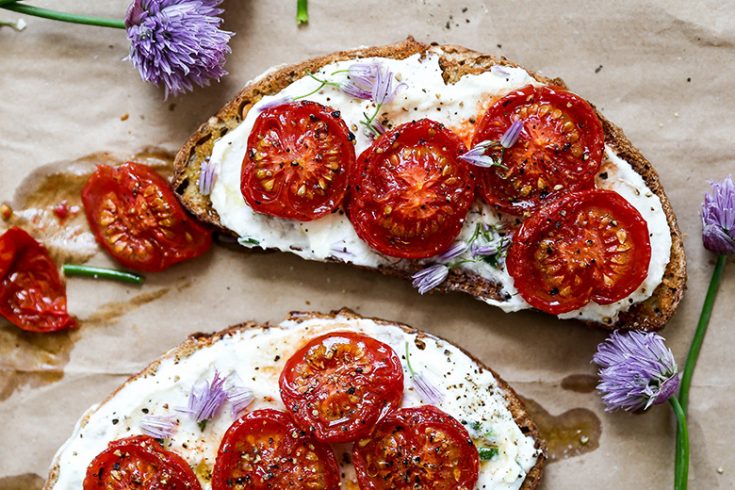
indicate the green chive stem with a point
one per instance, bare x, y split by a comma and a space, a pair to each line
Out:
408, 361
302, 12
14, 6
102, 273
704, 318
681, 466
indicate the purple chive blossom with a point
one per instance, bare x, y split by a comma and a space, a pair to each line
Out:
207, 177
159, 426
240, 398
427, 391
718, 218
500, 71
177, 43
511, 134
476, 155
485, 249
637, 370
371, 81
360, 80
457, 249
207, 398
427, 279
275, 102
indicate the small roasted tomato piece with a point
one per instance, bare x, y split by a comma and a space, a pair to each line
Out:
298, 162
32, 293
558, 150
587, 246
136, 217
420, 447
265, 450
411, 193
139, 462
339, 384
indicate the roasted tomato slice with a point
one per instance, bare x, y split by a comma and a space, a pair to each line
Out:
558, 150
299, 159
412, 193
136, 217
339, 384
139, 462
265, 450
32, 294
420, 447
587, 246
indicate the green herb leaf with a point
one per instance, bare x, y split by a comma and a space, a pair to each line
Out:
247, 241
202, 425
487, 453
302, 12
102, 273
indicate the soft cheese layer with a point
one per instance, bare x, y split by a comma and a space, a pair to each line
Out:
256, 357
425, 95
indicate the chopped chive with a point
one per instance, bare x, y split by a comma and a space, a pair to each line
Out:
487, 453
302, 12
102, 273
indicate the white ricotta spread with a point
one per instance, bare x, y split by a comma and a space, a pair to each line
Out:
425, 95
256, 357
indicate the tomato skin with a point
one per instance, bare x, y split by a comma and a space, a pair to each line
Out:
298, 163
32, 293
404, 453
137, 219
264, 449
412, 193
558, 151
139, 462
338, 385
587, 246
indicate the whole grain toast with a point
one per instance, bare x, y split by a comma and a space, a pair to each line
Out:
199, 340
455, 62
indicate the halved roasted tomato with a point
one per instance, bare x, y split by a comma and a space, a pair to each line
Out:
558, 150
32, 293
139, 462
411, 194
420, 447
339, 384
265, 450
136, 217
298, 161
587, 246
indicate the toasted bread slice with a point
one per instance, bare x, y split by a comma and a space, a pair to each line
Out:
455, 61
308, 325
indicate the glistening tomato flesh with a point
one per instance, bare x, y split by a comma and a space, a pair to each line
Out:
32, 293
411, 193
137, 219
558, 150
298, 161
264, 449
419, 447
338, 385
139, 462
587, 246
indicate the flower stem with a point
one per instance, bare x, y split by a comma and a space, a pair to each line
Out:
302, 12
704, 318
102, 273
62, 16
681, 467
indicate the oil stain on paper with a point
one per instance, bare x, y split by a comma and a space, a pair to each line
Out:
574, 432
27, 481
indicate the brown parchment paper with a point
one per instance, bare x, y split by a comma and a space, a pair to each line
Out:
663, 71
